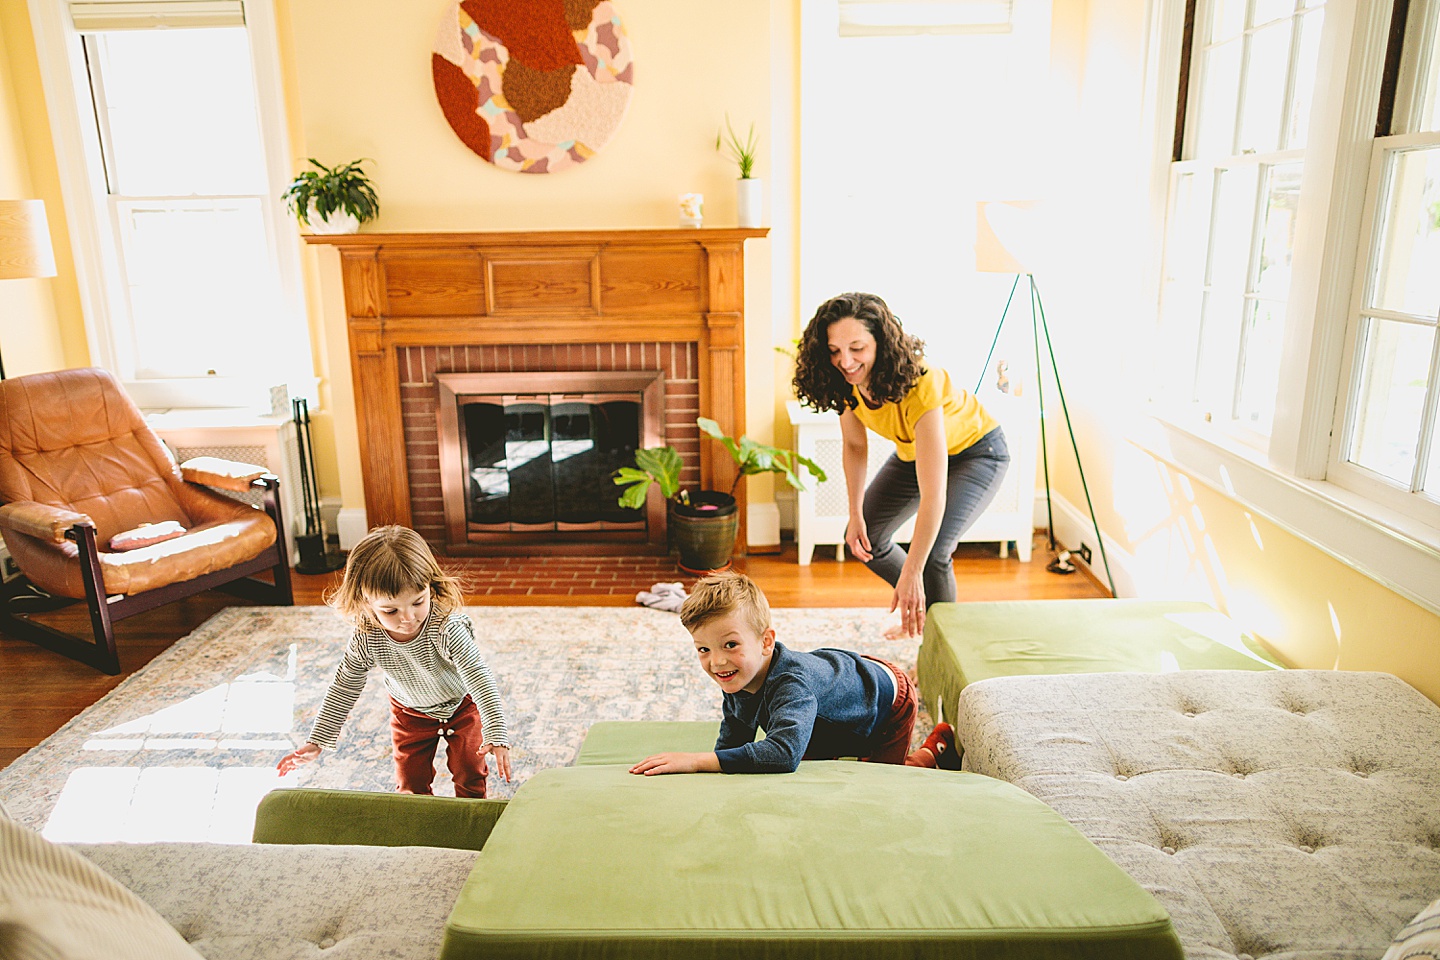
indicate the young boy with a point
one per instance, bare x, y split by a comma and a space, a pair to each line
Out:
812, 706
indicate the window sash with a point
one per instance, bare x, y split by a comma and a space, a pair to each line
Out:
1415, 493
1239, 327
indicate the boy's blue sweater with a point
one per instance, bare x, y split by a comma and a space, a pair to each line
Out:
815, 706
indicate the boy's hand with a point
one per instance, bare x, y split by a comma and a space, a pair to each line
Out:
292, 760
501, 755
678, 763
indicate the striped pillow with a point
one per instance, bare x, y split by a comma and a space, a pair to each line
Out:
1420, 938
55, 903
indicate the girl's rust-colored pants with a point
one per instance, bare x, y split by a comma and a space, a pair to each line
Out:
416, 736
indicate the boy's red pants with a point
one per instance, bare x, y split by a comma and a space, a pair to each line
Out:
416, 735
892, 739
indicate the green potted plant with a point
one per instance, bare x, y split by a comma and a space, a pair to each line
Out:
704, 524
332, 199
748, 187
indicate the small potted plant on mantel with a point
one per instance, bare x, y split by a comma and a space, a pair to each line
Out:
748, 188
332, 200
704, 524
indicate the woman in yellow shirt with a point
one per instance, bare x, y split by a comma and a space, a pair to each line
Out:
950, 454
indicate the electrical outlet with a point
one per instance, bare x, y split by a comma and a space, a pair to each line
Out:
1084, 553
9, 569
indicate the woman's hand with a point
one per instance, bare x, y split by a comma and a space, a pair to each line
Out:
909, 599
290, 761
857, 539
501, 755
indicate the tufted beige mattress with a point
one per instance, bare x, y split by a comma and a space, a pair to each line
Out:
1288, 814
294, 902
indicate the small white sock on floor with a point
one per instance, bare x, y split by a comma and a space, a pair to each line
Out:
663, 596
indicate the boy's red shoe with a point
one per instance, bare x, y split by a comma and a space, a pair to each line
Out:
941, 744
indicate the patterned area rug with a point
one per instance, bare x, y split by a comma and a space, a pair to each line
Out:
185, 748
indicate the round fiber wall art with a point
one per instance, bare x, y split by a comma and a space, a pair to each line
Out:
533, 85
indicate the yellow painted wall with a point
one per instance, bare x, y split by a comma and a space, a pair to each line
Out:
1185, 539
359, 86
41, 325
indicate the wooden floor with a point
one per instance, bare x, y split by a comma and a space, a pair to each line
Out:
40, 691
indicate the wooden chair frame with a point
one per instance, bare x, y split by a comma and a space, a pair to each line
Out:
106, 610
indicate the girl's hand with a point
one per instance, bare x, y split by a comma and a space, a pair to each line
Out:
909, 599
857, 539
501, 755
292, 760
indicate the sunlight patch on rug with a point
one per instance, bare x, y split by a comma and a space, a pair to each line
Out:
185, 748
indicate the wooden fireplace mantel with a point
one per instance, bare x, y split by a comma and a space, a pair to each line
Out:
537, 287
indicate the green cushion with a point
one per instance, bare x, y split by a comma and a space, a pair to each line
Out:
968, 642
374, 819
836, 860
630, 741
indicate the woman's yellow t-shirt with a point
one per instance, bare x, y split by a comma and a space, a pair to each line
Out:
965, 419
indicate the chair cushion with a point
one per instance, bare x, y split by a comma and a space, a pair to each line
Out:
836, 860
261, 902
147, 534
55, 903
1289, 813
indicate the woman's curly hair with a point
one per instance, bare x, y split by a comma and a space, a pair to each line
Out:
898, 355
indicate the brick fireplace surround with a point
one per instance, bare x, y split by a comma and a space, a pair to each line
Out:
418, 304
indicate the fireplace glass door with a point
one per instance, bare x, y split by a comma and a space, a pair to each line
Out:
542, 462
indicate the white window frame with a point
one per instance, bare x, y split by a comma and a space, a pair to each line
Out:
1341, 471
59, 47
1287, 480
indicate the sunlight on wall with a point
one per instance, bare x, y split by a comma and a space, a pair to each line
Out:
190, 801
1335, 626
900, 136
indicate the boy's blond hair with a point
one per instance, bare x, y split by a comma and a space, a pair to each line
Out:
387, 562
721, 594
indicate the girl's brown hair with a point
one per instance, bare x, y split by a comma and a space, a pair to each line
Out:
387, 562
897, 355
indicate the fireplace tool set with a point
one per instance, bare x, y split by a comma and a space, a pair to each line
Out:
315, 556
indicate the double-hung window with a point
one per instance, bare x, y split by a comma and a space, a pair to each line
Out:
1387, 429
1300, 294
1234, 192
172, 149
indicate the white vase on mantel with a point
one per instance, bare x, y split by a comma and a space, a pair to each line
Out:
338, 222
749, 199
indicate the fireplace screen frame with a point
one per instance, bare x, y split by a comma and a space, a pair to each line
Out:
453, 389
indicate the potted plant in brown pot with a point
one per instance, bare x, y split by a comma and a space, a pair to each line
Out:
703, 524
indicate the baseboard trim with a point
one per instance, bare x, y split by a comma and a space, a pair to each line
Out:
1072, 528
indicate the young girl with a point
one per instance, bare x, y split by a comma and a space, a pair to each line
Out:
950, 454
408, 623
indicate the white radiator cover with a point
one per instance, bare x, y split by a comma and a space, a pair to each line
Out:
265, 441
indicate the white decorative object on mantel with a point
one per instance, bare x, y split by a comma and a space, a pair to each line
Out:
822, 510
749, 200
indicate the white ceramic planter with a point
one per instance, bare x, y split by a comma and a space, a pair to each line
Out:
338, 222
749, 199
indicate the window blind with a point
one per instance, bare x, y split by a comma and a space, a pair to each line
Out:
156, 14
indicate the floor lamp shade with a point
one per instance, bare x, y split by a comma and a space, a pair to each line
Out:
25, 240
1005, 235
